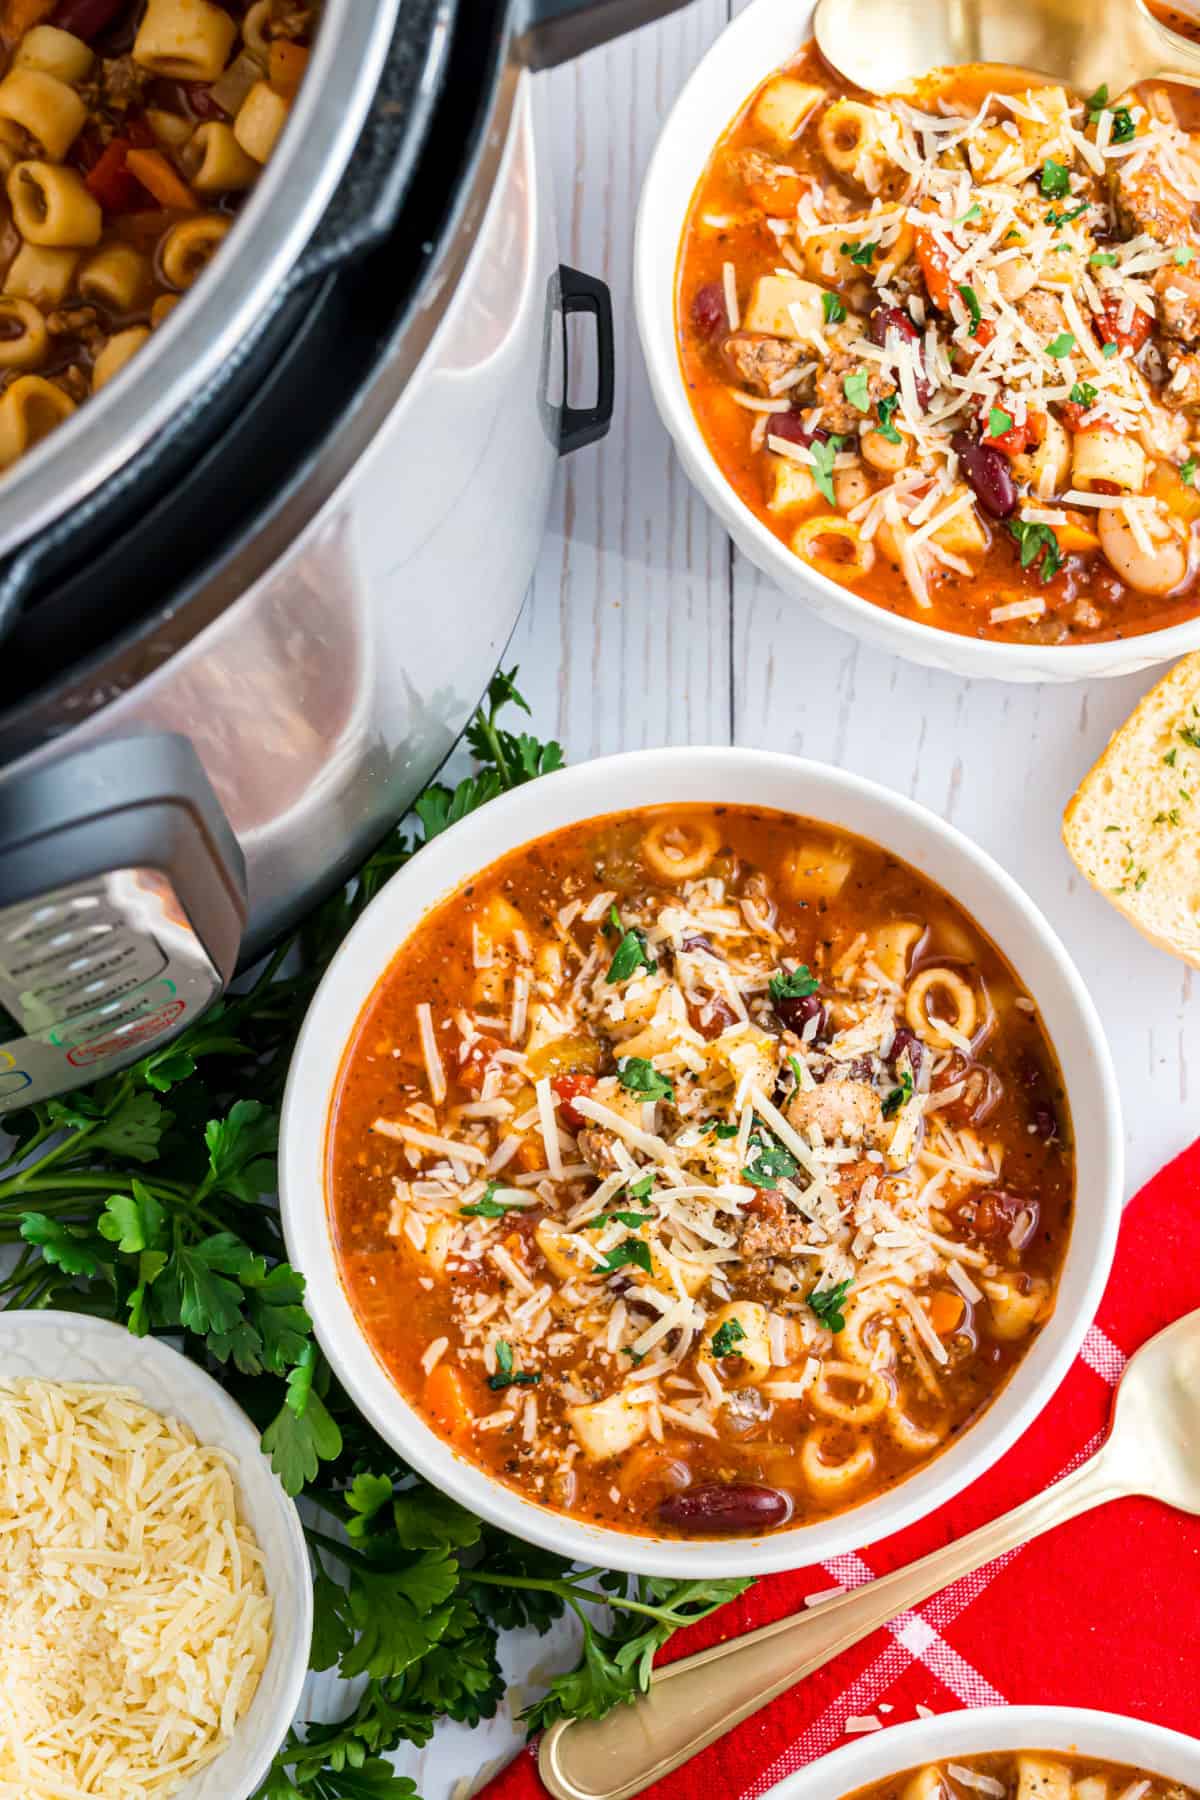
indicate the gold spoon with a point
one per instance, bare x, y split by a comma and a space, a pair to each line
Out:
881, 45
1153, 1448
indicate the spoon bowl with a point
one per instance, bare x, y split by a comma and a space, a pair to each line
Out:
884, 46
1155, 1437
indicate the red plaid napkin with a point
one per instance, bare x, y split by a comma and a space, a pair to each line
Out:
1101, 1612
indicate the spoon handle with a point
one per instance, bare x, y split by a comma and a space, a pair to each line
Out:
695, 1701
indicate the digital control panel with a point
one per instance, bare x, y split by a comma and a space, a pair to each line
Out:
94, 975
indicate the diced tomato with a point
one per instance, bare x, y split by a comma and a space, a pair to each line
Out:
985, 331
935, 267
475, 1064
1072, 414
1109, 332
1014, 442
113, 184
568, 1088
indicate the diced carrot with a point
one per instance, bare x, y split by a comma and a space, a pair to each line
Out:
935, 267
945, 1311
446, 1400
1074, 538
286, 66
779, 197
1181, 498
156, 175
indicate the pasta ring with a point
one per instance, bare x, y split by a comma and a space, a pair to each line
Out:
847, 552
966, 1012
918, 1440
831, 1479
876, 1395
672, 859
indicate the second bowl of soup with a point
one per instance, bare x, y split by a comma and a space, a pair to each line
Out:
681, 1156
932, 356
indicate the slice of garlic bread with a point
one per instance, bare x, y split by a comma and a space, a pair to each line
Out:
1133, 826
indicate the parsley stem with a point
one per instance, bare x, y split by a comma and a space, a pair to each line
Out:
568, 1588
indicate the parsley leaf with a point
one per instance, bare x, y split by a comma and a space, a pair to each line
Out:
1188, 733
823, 452
488, 1207
71, 1248
1062, 345
899, 1096
1037, 541
1183, 255
974, 211
1123, 127
639, 1076
631, 955
634, 1220
1096, 102
1109, 349
770, 1163
633, 1253
832, 308
886, 408
793, 984
720, 1129
1187, 472
1055, 179
642, 1188
725, 1339
828, 1305
1103, 259
999, 422
862, 254
1083, 394
856, 387
1056, 218
971, 301
506, 1376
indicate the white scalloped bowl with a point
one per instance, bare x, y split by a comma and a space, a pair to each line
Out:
1105, 1736
765, 35
732, 777
65, 1346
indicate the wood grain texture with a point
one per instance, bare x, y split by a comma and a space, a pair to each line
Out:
644, 627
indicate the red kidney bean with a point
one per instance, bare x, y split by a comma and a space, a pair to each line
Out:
200, 100
997, 1212
86, 19
982, 1092
894, 318
1045, 1122
717, 1508
795, 1011
988, 473
791, 426
698, 941
906, 1040
708, 309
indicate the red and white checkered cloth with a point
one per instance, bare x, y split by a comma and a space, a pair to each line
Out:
1103, 1612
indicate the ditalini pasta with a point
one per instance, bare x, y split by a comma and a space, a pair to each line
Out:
1023, 1775
946, 344
130, 131
700, 1170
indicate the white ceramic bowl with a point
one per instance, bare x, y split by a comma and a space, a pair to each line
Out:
1102, 1735
767, 34
731, 776
65, 1346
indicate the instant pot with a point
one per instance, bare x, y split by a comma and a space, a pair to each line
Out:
251, 593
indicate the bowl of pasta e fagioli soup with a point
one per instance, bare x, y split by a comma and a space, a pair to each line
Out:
680, 1154
932, 356
1007, 1753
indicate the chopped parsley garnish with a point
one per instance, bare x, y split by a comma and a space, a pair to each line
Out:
828, 1304
720, 1130
1166, 818
1190, 736
899, 1096
794, 984
641, 1077
833, 309
642, 1188
487, 1207
1062, 345
971, 301
726, 1338
1123, 127
861, 254
999, 422
1108, 349
1097, 102
794, 1063
632, 1253
1034, 541
634, 1220
1187, 471
1103, 259
631, 955
1169, 758
1083, 394
823, 453
1142, 876
1055, 179
771, 1163
506, 1376
856, 387
1056, 218
1183, 256
886, 409
973, 211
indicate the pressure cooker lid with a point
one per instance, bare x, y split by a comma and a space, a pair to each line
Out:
373, 59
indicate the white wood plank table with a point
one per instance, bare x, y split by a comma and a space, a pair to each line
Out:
645, 627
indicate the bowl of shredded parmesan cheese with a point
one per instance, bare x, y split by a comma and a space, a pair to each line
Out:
155, 1597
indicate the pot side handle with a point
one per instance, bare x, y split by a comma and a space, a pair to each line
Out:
557, 30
